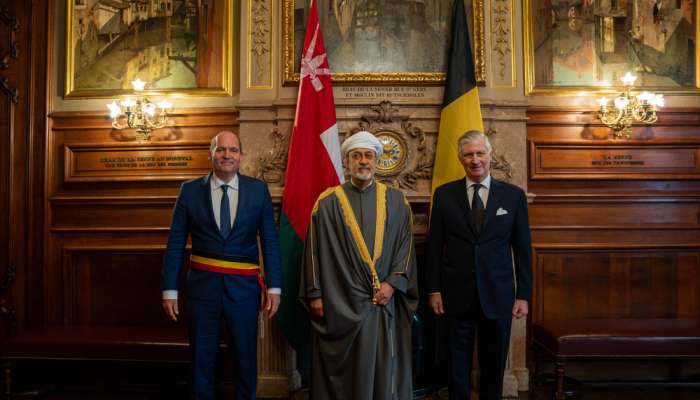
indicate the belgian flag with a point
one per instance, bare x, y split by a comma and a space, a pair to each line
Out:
461, 110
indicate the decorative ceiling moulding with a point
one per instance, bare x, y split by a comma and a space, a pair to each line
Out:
11, 26
502, 54
343, 19
260, 44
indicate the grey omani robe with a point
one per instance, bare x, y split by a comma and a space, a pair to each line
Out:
360, 351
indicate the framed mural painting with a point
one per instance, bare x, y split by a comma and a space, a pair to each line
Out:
176, 46
587, 45
381, 41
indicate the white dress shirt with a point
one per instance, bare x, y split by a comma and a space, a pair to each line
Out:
216, 195
483, 192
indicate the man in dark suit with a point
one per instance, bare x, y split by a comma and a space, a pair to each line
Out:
225, 212
478, 227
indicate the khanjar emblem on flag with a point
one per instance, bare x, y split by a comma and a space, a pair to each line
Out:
313, 165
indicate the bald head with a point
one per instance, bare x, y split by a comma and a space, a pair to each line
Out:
225, 154
215, 140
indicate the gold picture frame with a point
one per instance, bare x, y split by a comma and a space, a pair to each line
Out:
292, 47
108, 46
593, 44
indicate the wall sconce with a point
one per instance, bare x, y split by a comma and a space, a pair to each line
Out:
139, 113
628, 108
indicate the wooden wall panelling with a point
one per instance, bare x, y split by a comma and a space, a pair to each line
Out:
113, 285
7, 127
23, 35
108, 224
89, 205
612, 237
606, 283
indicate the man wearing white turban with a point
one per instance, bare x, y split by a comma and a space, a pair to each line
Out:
359, 283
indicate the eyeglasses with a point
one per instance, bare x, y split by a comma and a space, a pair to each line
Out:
358, 155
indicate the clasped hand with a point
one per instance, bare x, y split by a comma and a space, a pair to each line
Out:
384, 294
382, 297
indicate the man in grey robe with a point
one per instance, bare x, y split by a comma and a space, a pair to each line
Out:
359, 282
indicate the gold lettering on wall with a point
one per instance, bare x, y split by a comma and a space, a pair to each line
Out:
381, 92
90, 163
620, 160
624, 162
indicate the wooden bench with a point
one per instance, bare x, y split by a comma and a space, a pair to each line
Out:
566, 340
94, 343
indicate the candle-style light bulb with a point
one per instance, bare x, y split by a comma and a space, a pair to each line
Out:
114, 109
128, 102
628, 79
621, 103
138, 84
164, 104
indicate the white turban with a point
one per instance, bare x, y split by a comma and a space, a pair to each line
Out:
362, 140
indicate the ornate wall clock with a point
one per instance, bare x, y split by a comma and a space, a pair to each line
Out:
394, 155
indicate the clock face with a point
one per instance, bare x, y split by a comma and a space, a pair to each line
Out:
394, 152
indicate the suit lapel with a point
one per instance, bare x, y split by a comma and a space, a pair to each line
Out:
465, 207
492, 204
242, 199
206, 198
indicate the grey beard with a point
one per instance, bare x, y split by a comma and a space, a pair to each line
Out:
363, 177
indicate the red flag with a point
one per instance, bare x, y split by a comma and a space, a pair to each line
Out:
313, 164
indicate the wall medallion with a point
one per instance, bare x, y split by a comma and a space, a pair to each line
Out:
406, 158
394, 155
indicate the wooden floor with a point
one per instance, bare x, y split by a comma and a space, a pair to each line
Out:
539, 393
619, 394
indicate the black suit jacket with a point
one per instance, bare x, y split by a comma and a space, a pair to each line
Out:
459, 262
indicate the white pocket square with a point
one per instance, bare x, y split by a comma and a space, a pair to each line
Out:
501, 211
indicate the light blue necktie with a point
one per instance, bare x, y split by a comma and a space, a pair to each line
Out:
225, 214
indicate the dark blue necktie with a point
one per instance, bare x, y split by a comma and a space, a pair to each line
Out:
225, 214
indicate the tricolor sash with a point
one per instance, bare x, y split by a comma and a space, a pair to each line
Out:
230, 265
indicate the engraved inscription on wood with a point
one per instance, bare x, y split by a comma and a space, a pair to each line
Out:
615, 162
96, 163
